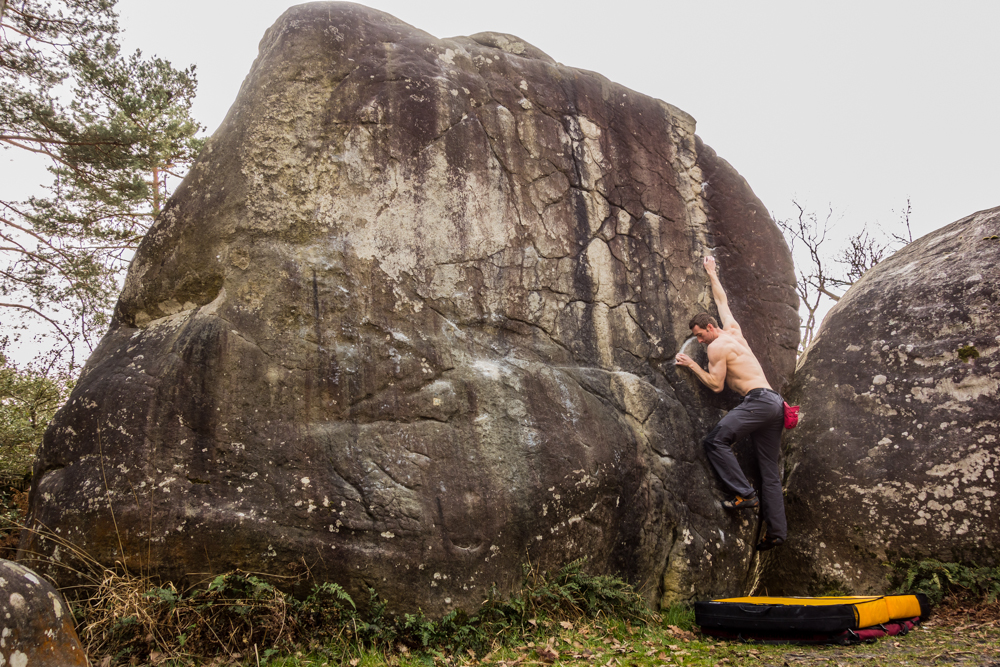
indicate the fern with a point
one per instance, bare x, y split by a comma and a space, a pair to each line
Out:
938, 580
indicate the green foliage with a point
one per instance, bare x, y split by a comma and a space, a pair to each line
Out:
939, 580
112, 128
28, 400
237, 612
125, 618
571, 594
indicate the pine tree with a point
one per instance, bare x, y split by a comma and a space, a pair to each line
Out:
113, 129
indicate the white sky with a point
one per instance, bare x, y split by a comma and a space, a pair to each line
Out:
855, 104
850, 104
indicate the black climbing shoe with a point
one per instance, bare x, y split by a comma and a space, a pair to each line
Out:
769, 543
740, 503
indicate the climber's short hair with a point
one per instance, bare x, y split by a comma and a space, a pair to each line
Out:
702, 320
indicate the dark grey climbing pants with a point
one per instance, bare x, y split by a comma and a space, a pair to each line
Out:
761, 416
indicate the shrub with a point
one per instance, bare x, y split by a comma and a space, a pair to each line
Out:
238, 614
938, 580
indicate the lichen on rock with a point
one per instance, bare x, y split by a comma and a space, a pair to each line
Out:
410, 321
897, 453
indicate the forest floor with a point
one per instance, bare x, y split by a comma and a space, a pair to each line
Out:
954, 635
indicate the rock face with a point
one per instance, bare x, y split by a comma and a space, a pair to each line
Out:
36, 626
898, 451
410, 321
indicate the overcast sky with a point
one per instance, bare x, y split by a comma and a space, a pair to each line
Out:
854, 105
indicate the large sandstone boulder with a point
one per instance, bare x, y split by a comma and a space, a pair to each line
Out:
410, 321
36, 625
898, 451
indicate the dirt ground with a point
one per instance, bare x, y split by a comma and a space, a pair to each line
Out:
955, 634
952, 636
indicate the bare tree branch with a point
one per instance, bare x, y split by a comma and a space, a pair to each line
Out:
820, 283
55, 325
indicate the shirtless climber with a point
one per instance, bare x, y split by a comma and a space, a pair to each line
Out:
760, 415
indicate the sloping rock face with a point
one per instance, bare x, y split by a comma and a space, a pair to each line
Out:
898, 451
410, 321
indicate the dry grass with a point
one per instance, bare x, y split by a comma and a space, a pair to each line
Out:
127, 615
123, 615
239, 618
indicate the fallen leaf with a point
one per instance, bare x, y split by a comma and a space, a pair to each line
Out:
548, 654
566, 625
